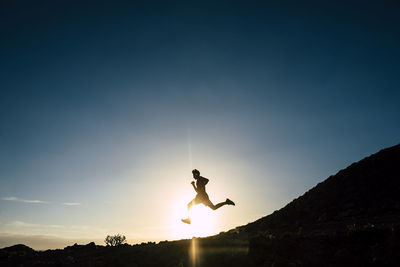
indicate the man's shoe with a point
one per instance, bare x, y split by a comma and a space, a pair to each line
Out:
229, 202
187, 220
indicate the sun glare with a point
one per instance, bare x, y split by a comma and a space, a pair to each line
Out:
203, 221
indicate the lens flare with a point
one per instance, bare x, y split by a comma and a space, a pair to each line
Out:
202, 221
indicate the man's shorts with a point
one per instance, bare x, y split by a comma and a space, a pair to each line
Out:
202, 198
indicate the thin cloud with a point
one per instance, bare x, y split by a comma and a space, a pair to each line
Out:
31, 225
55, 229
16, 199
36, 201
71, 204
23, 224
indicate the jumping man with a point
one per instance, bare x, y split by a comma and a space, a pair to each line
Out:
202, 196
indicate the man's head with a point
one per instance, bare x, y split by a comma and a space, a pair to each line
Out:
196, 173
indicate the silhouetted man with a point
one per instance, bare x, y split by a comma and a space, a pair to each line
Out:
202, 196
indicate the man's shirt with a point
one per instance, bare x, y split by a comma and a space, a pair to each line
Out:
201, 184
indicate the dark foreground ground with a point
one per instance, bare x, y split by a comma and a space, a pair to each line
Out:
350, 219
365, 245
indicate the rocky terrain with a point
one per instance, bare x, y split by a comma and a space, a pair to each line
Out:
350, 219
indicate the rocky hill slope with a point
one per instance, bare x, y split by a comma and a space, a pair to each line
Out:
365, 192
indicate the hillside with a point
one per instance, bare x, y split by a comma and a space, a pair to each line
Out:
350, 219
364, 192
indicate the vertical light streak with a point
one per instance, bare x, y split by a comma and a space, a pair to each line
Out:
193, 251
189, 140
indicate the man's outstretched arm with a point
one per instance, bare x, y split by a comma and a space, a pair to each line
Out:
195, 188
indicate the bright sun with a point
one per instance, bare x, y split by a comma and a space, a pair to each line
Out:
202, 221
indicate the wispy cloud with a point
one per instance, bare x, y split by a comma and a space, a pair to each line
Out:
71, 204
22, 224
16, 199
25, 224
69, 231
35, 201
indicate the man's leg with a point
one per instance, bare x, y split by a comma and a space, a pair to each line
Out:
189, 206
219, 205
214, 207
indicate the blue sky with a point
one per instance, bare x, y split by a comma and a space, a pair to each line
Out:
105, 108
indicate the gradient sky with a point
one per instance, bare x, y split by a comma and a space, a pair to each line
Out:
106, 108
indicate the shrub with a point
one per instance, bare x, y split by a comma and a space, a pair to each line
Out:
115, 240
